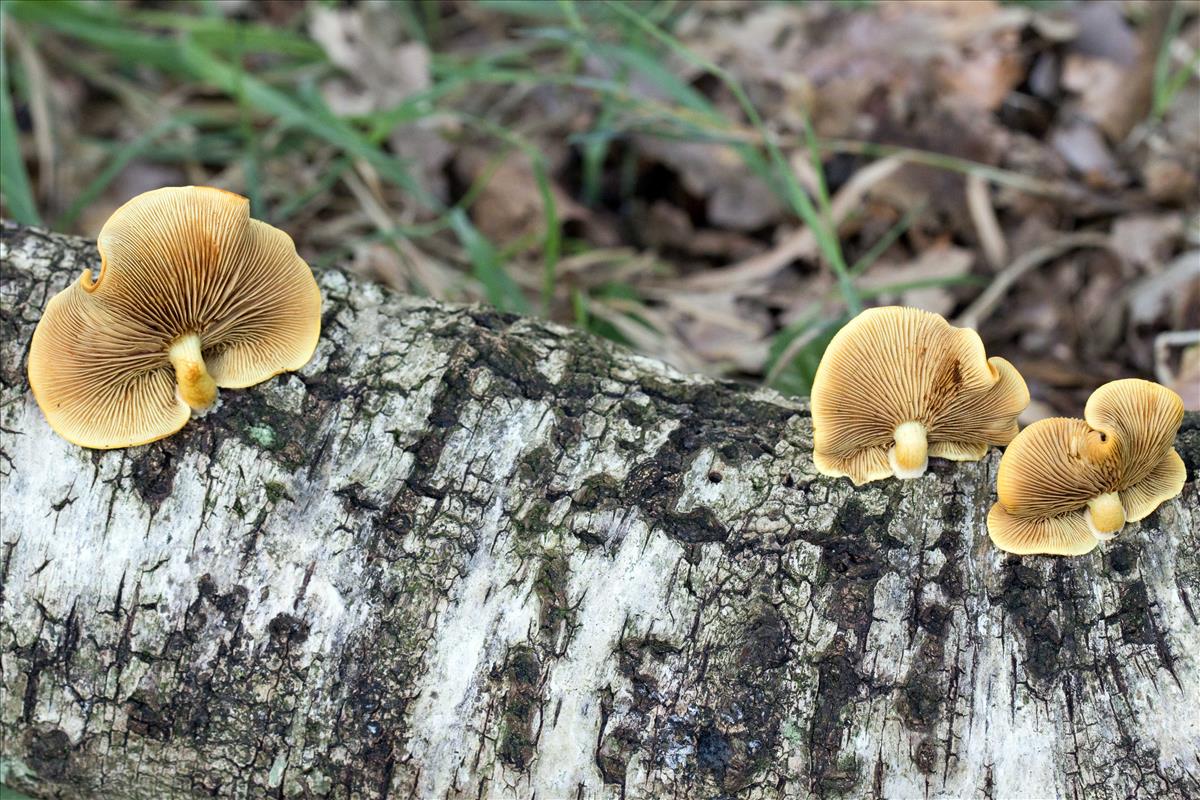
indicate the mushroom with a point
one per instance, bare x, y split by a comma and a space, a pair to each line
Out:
192, 295
898, 385
1065, 485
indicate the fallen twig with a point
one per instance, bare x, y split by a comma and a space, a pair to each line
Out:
986, 303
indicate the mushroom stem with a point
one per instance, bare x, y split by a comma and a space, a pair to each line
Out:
910, 455
1105, 516
196, 387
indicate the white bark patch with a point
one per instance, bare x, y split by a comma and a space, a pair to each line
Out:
1157, 704
472, 636
622, 593
479, 623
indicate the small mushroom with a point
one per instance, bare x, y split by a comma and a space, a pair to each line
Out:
898, 385
1065, 485
192, 295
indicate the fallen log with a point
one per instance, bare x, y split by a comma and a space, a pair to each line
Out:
463, 554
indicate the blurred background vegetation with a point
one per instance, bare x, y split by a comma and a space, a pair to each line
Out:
719, 184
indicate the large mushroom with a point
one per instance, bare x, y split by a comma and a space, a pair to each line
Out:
898, 385
192, 295
1065, 485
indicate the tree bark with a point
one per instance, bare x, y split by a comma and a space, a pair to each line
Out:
462, 554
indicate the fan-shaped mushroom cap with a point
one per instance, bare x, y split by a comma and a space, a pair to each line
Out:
1065, 485
192, 295
1064, 535
1144, 418
897, 385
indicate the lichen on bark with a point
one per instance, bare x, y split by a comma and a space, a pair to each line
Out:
462, 554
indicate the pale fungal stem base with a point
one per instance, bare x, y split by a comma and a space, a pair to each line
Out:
193, 383
1105, 516
910, 455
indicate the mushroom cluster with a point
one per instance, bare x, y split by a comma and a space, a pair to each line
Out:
192, 295
1065, 485
898, 385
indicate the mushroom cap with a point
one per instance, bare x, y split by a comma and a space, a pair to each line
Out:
1143, 417
893, 365
1055, 466
1164, 482
1063, 535
173, 261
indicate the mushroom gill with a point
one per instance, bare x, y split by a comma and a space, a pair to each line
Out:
899, 385
192, 295
1065, 485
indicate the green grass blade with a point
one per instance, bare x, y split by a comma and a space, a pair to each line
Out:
114, 28
795, 376
501, 290
294, 204
552, 241
318, 122
115, 163
801, 204
82, 22
1162, 93
14, 182
887, 240
222, 34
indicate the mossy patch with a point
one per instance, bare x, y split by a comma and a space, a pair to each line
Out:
521, 676
840, 778
1025, 599
1133, 615
152, 470
48, 752
838, 685
262, 435
534, 523
536, 465
924, 693
276, 491
550, 585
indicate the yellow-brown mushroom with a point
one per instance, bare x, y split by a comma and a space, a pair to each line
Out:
1065, 485
192, 295
898, 385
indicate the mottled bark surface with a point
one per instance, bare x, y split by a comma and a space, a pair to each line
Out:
466, 555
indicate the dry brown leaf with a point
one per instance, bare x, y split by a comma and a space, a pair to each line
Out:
719, 329
1097, 81
946, 261
1184, 376
1112, 68
1168, 180
509, 206
1146, 240
736, 198
801, 243
1187, 381
1180, 122
368, 43
1084, 148
1166, 294
1102, 32
983, 214
983, 79
668, 226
